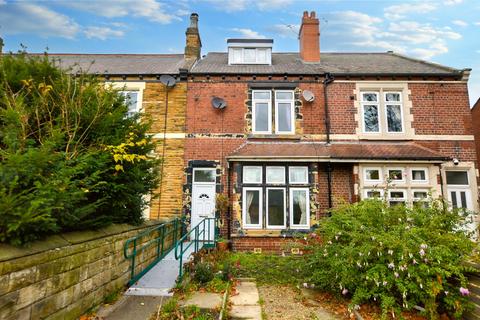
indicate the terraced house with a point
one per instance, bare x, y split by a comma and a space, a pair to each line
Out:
287, 136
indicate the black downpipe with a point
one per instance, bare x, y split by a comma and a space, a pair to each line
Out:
329, 186
328, 79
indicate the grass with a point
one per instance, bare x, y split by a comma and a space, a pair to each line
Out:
171, 310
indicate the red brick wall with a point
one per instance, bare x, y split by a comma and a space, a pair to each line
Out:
341, 108
267, 244
463, 150
476, 125
342, 186
441, 108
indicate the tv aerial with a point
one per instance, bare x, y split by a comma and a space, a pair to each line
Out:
218, 103
168, 80
308, 95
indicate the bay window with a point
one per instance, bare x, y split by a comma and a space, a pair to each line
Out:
275, 197
262, 114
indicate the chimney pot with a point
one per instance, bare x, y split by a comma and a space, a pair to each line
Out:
194, 20
310, 37
193, 43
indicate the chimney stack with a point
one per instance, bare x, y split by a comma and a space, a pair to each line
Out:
193, 43
310, 38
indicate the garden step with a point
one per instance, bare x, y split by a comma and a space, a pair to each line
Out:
246, 313
204, 300
245, 304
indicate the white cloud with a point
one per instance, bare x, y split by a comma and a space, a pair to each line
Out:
477, 23
452, 2
460, 23
285, 30
102, 33
399, 11
25, 17
248, 33
241, 5
150, 9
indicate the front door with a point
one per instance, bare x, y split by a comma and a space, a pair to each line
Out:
203, 200
460, 196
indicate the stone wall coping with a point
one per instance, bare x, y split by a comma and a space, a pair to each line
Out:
9, 252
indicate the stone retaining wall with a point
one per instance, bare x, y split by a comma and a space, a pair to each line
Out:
65, 275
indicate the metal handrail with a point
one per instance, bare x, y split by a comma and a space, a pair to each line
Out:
172, 227
195, 241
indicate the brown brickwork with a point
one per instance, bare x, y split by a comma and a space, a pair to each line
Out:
476, 125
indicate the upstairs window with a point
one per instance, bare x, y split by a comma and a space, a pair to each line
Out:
249, 51
284, 112
382, 112
132, 102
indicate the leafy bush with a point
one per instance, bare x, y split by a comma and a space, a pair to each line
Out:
394, 256
203, 273
69, 157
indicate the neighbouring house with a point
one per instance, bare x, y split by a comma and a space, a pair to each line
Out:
476, 125
304, 131
287, 136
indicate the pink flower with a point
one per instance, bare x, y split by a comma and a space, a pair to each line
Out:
344, 291
464, 291
421, 252
423, 246
396, 274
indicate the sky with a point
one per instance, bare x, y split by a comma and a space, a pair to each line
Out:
441, 31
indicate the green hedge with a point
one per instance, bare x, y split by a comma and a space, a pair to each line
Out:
70, 159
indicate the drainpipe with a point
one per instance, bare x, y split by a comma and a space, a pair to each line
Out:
328, 79
329, 186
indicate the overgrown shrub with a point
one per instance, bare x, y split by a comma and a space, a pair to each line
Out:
394, 256
203, 273
70, 159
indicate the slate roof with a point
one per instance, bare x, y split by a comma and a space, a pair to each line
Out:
337, 63
340, 151
121, 64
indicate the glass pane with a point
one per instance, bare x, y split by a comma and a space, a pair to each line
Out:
249, 55
395, 174
261, 95
396, 195
463, 199
418, 175
453, 194
300, 205
457, 177
276, 207
275, 175
394, 118
369, 97
261, 56
370, 116
419, 194
131, 98
252, 203
395, 203
298, 175
372, 174
237, 55
261, 117
204, 176
252, 175
373, 194
392, 96
284, 117
284, 95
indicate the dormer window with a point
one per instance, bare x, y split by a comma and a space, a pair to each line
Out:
250, 51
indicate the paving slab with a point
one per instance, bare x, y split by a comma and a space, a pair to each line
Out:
204, 300
246, 312
247, 294
131, 307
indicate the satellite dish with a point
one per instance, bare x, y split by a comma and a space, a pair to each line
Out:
218, 103
168, 80
308, 95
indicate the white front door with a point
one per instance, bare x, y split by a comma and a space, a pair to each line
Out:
459, 195
203, 201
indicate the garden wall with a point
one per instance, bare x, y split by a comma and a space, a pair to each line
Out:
65, 275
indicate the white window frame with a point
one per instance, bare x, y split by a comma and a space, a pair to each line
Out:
377, 103
404, 199
275, 227
396, 181
254, 107
138, 105
380, 175
458, 185
393, 103
414, 199
299, 226
425, 170
244, 208
365, 193
292, 111
305, 168
252, 167
267, 61
266, 175
204, 169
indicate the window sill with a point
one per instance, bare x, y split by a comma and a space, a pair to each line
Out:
274, 136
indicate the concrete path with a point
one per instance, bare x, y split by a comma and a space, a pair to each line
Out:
204, 300
159, 280
245, 304
131, 307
